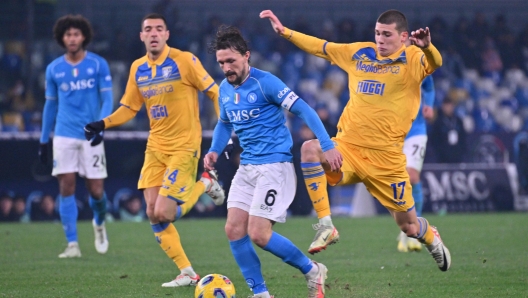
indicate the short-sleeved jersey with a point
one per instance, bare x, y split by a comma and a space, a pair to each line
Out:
255, 109
419, 126
169, 88
77, 88
384, 93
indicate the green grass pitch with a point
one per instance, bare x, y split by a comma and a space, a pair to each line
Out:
489, 253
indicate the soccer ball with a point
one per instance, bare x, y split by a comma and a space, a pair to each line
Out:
215, 286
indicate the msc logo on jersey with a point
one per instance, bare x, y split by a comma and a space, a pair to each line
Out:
252, 97
371, 87
243, 115
156, 90
78, 85
158, 111
166, 71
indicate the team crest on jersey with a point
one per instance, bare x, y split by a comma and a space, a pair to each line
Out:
75, 72
237, 98
252, 97
90, 71
166, 71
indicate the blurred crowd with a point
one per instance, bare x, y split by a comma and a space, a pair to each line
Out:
484, 71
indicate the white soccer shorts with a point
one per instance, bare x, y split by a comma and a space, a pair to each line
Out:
72, 155
414, 150
264, 190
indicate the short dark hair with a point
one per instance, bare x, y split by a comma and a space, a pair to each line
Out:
154, 16
394, 17
66, 22
229, 37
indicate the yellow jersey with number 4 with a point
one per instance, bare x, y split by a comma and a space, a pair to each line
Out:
169, 89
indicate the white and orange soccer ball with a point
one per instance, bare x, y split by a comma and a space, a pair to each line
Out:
215, 286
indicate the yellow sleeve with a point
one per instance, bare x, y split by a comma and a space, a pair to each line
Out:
132, 97
424, 61
201, 80
121, 115
336, 53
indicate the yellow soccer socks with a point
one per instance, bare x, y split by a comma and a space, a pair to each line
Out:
425, 234
316, 183
169, 240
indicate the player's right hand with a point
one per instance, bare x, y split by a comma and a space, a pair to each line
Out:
93, 129
334, 158
210, 160
43, 153
275, 23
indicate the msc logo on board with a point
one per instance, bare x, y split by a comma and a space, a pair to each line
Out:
371, 87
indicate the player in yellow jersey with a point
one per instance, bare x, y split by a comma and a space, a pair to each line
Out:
384, 83
167, 81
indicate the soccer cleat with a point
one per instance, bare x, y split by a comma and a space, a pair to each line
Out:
101, 240
326, 235
213, 188
414, 245
71, 251
439, 251
402, 242
182, 280
316, 285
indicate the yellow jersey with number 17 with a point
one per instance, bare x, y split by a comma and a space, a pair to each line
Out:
384, 91
169, 88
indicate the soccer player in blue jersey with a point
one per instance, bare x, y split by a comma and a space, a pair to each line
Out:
252, 103
78, 91
414, 149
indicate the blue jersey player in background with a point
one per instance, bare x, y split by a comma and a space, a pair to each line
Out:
414, 150
78, 91
252, 102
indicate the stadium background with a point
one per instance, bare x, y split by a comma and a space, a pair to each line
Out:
484, 45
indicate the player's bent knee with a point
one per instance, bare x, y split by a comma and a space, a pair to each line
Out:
258, 236
410, 230
164, 215
234, 231
310, 151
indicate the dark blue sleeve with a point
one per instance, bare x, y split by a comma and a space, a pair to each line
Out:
221, 135
428, 91
310, 117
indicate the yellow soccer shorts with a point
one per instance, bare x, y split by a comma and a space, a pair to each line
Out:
383, 173
175, 174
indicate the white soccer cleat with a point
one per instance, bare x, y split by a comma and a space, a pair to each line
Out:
213, 188
101, 240
182, 280
71, 251
316, 285
439, 251
326, 235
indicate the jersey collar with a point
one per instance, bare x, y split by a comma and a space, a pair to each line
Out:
399, 55
161, 58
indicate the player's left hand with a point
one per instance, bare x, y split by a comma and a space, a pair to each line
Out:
428, 112
334, 158
421, 37
93, 132
210, 160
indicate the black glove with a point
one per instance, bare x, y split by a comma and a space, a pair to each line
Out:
43, 153
94, 132
229, 148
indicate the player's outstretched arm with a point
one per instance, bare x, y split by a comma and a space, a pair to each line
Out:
274, 20
312, 120
422, 39
307, 43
